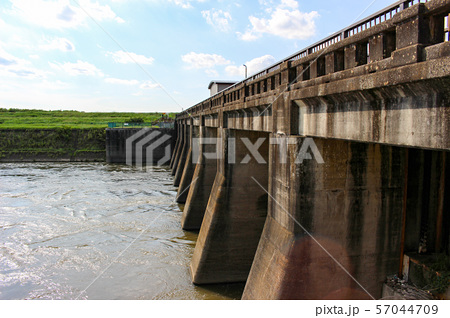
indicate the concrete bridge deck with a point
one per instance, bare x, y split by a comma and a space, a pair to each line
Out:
330, 165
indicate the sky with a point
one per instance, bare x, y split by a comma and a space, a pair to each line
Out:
151, 55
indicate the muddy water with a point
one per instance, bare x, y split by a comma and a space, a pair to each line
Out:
94, 231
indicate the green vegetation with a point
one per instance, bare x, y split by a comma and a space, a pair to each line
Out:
137, 120
53, 143
66, 135
47, 139
440, 278
23, 118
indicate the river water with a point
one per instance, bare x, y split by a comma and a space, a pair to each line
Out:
94, 231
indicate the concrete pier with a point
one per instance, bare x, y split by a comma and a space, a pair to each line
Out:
180, 141
235, 214
184, 151
202, 180
189, 167
178, 134
349, 207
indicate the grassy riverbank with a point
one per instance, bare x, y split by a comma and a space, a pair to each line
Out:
38, 135
56, 144
25, 119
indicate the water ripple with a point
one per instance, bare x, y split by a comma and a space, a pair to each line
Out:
62, 224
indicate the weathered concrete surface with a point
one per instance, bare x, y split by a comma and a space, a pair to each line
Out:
351, 206
189, 167
177, 144
184, 150
202, 182
414, 114
234, 217
428, 201
181, 138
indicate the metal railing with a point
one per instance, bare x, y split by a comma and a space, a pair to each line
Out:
157, 124
251, 83
362, 25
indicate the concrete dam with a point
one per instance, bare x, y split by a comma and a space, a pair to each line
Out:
321, 176
326, 175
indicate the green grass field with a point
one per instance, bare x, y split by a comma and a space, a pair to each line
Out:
24, 118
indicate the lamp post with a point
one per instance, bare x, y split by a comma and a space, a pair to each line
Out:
245, 70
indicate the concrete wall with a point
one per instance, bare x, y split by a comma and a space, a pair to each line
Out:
334, 229
414, 114
234, 216
116, 140
427, 224
201, 182
187, 171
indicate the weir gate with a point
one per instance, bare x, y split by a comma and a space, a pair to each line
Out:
367, 110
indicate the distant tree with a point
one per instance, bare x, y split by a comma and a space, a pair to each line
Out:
136, 120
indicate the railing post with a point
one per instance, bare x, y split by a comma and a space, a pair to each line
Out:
299, 71
437, 29
411, 34
381, 46
284, 71
350, 57
329, 63
270, 86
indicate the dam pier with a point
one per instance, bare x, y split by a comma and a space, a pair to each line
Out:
321, 176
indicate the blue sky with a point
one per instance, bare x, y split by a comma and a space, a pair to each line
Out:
151, 55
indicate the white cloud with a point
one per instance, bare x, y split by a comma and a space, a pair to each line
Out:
128, 58
51, 85
15, 37
285, 21
61, 44
58, 14
185, 4
233, 70
219, 19
119, 20
7, 59
212, 73
16, 67
149, 85
119, 81
78, 68
254, 66
202, 60
248, 36
289, 4
142, 85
